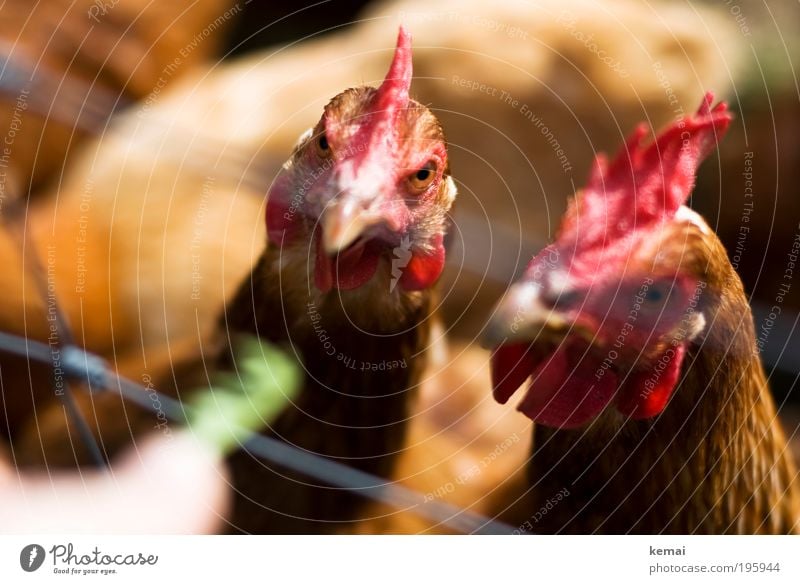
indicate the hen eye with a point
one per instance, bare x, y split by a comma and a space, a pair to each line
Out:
423, 177
323, 147
654, 294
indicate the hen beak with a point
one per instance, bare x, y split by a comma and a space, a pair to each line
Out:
343, 223
523, 316
341, 226
356, 211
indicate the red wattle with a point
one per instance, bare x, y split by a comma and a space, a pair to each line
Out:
565, 391
422, 271
347, 270
511, 366
646, 393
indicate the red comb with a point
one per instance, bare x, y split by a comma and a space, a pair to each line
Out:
646, 183
377, 129
393, 92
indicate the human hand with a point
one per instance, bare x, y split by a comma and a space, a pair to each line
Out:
170, 485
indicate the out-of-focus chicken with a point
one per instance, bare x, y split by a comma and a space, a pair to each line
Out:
67, 65
652, 410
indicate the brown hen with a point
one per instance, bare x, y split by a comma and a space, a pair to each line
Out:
356, 224
652, 410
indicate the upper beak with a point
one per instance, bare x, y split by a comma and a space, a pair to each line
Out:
523, 316
343, 223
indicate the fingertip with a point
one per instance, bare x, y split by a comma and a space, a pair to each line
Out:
188, 477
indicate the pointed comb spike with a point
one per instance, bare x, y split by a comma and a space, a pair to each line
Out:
705, 105
393, 92
599, 169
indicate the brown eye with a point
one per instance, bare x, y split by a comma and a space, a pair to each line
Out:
323, 147
421, 179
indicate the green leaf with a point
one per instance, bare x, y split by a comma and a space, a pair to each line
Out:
246, 400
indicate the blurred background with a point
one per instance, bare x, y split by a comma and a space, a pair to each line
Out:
142, 137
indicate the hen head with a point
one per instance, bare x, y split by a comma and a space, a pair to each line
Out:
367, 191
605, 314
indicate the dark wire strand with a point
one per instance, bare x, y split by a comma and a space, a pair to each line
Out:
14, 220
337, 474
93, 370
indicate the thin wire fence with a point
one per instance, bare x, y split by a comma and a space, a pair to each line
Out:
90, 370
86, 368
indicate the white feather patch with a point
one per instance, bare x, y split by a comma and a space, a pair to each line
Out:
691, 216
